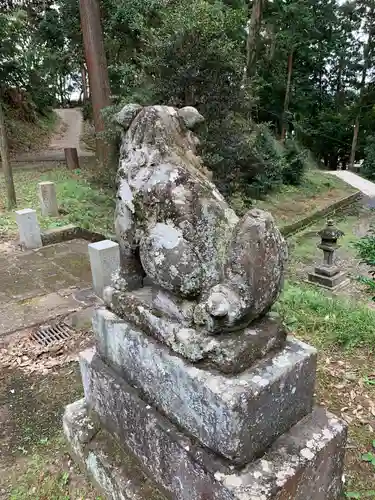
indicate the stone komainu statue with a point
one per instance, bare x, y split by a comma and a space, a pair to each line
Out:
188, 263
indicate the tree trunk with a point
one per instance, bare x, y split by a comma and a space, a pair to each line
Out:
97, 70
71, 158
287, 95
366, 65
339, 86
354, 143
61, 88
7, 169
252, 43
84, 83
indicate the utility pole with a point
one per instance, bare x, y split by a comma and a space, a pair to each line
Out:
7, 169
97, 71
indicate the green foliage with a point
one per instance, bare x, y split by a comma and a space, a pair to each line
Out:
366, 252
368, 166
332, 320
295, 163
271, 162
87, 111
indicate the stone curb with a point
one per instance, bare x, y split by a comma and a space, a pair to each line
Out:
71, 232
300, 224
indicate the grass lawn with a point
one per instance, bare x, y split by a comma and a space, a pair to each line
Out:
91, 207
344, 333
292, 203
80, 202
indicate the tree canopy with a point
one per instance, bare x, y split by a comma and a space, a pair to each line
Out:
302, 69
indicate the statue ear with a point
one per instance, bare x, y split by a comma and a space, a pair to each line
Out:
190, 116
125, 117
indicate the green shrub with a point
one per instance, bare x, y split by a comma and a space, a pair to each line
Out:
368, 166
366, 252
243, 157
295, 163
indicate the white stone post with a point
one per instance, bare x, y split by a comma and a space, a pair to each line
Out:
28, 228
104, 261
48, 200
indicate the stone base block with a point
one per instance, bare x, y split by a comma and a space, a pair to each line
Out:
303, 464
330, 282
326, 270
155, 313
236, 416
116, 474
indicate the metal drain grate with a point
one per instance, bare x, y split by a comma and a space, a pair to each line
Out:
48, 334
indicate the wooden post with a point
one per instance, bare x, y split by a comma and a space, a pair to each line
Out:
7, 169
71, 158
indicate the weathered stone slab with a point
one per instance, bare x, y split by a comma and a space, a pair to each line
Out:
153, 313
115, 473
331, 282
29, 230
104, 260
226, 420
304, 463
236, 416
48, 199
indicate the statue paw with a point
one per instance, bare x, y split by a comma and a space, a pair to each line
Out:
219, 311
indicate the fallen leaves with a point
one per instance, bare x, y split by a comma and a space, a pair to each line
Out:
342, 381
27, 355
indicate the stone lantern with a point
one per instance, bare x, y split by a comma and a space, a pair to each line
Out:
328, 274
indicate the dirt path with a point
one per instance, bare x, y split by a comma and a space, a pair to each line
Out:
72, 128
68, 136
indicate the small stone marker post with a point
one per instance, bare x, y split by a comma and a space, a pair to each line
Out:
48, 200
29, 229
71, 158
104, 260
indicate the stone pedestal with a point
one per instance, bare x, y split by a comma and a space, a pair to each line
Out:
332, 282
104, 262
154, 425
28, 227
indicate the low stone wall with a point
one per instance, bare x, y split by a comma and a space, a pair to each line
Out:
300, 224
71, 232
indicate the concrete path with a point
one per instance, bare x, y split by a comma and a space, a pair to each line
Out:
355, 180
40, 285
68, 136
72, 118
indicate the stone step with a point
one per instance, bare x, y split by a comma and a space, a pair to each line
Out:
304, 463
236, 416
115, 472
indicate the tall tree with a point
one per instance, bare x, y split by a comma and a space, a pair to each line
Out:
7, 169
98, 72
253, 38
368, 49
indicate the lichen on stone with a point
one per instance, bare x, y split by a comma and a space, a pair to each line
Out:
176, 229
